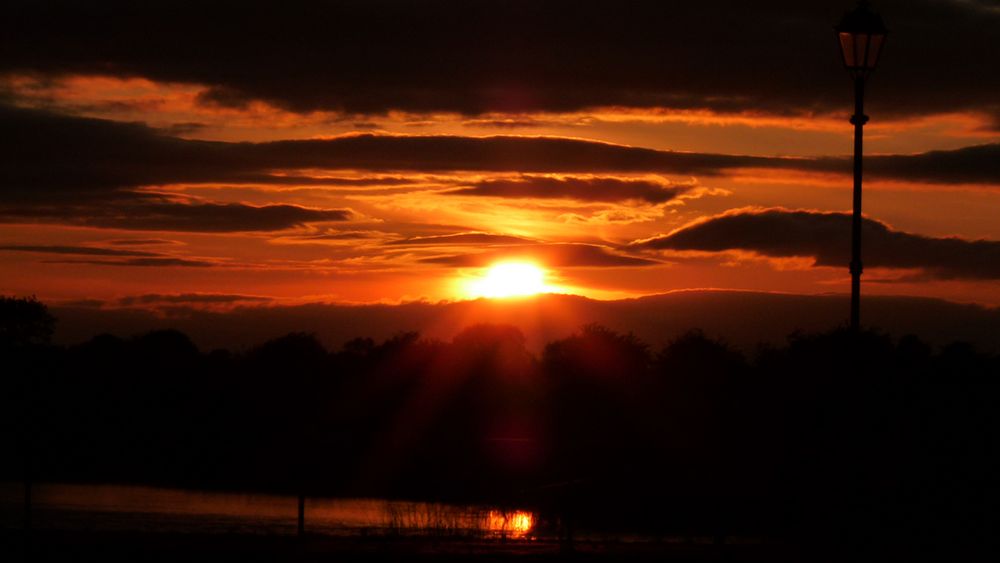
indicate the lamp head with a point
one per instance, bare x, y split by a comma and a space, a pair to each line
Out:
862, 34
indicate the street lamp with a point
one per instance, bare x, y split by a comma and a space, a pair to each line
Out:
862, 34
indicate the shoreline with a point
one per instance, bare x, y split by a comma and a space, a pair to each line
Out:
111, 547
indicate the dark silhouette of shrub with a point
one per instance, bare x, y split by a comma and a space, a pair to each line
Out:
24, 321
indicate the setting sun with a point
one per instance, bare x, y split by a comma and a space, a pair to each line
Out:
509, 279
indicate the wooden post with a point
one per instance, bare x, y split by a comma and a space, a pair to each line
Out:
302, 514
27, 505
29, 476
28, 556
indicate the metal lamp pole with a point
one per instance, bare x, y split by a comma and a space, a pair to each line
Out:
862, 34
858, 119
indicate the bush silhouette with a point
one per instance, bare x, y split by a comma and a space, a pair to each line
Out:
24, 321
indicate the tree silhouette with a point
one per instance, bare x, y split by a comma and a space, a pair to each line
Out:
25, 332
24, 321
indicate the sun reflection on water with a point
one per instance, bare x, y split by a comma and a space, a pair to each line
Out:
514, 524
182, 510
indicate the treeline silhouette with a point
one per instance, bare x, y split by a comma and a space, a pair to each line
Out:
852, 440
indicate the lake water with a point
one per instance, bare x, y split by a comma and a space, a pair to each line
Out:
154, 509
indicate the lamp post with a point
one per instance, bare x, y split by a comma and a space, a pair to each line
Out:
862, 34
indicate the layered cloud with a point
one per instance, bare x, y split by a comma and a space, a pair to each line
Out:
599, 189
444, 55
45, 154
100, 256
825, 237
98, 173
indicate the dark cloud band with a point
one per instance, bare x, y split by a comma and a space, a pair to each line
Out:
44, 153
581, 189
141, 214
370, 57
826, 238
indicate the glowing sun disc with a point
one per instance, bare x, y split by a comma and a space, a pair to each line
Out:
509, 279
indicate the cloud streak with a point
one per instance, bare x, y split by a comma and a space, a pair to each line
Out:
458, 239
825, 237
143, 262
108, 256
601, 189
77, 250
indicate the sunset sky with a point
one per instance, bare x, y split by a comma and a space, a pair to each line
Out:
377, 151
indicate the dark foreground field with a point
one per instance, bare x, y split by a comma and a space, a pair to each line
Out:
113, 547
854, 444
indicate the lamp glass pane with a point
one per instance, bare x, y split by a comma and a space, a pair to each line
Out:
873, 50
847, 48
860, 50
